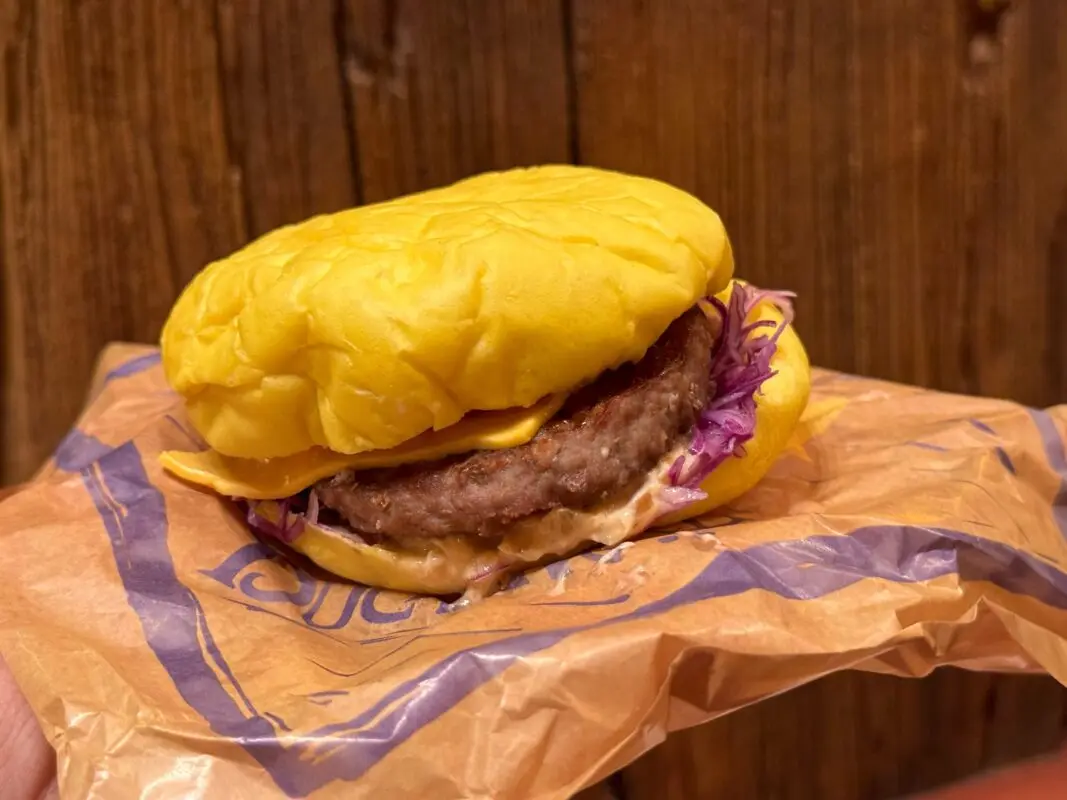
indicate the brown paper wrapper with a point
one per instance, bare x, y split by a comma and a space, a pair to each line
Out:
169, 653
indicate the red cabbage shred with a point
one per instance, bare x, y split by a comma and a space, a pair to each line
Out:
740, 364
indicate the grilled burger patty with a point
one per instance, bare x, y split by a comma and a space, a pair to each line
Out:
602, 443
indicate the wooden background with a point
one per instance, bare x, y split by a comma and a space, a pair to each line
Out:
902, 165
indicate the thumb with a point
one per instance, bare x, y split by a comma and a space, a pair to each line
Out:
27, 762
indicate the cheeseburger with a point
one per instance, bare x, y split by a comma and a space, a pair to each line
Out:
430, 393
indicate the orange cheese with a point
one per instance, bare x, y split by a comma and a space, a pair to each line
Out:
270, 479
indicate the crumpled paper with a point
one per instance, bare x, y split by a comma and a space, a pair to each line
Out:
169, 653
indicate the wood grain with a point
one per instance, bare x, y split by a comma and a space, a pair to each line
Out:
900, 170
444, 90
116, 185
289, 124
856, 735
900, 165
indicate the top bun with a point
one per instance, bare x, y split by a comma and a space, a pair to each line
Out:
359, 330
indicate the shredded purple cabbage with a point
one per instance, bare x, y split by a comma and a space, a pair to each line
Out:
740, 364
288, 526
294, 514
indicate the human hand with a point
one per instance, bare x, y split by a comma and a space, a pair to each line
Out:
27, 762
1040, 779
28, 769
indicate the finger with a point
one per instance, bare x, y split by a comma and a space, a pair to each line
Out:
1040, 779
27, 761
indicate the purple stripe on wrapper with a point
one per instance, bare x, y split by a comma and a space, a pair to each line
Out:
277, 721
927, 446
78, 450
176, 629
1055, 450
133, 366
171, 617
611, 601
1056, 453
1005, 459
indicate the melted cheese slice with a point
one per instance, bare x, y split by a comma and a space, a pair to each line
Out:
276, 478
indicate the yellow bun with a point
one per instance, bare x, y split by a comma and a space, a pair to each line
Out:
451, 566
360, 330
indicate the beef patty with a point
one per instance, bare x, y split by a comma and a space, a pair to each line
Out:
603, 442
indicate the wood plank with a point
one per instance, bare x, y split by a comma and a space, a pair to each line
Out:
901, 167
444, 90
115, 179
600, 791
856, 735
860, 155
289, 122
129, 167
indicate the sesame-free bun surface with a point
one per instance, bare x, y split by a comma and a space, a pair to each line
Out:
359, 330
